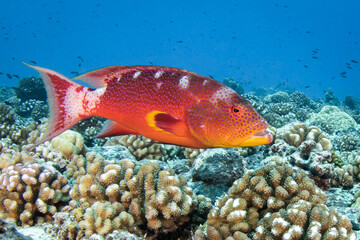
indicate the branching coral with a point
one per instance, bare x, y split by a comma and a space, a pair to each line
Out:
257, 196
30, 192
147, 195
191, 154
302, 220
300, 133
144, 148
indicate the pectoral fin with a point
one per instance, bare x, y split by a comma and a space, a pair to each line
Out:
112, 128
164, 122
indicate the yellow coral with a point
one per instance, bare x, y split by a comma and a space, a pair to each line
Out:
69, 143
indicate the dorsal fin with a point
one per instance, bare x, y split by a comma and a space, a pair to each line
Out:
103, 76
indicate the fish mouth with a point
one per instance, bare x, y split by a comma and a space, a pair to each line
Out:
259, 138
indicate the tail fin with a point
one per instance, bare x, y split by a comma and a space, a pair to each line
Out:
69, 102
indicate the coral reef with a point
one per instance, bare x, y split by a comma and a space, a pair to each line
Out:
69, 143
30, 192
31, 88
89, 128
347, 141
7, 119
35, 109
300, 133
278, 97
142, 195
274, 202
214, 171
144, 148
331, 119
301, 220
300, 99
191, 154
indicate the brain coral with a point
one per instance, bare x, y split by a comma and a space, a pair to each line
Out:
331, 119
256, 200
143, 195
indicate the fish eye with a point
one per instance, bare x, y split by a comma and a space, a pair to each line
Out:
235, 110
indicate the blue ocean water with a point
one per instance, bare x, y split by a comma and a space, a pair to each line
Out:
310, 46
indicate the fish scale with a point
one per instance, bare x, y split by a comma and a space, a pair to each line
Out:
168, 105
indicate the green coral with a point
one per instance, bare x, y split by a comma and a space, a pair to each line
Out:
336, 159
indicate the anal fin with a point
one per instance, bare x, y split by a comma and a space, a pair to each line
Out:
113, 128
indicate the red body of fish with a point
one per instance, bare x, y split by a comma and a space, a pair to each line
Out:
166, 104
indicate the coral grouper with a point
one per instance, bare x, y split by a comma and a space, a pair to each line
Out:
166, 104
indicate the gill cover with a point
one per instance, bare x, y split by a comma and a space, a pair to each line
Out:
198, 117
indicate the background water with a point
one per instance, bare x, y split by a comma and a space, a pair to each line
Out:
258, 42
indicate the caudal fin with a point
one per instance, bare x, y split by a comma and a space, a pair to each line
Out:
68, 101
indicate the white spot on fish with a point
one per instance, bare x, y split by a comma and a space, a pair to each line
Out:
93, 98
136, 74
118, 79
224, 93
158, 74
158, 85
184, 82
204, 82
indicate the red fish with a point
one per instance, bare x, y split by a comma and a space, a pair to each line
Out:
166, 104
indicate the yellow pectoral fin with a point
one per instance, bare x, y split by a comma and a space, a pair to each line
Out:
164, 122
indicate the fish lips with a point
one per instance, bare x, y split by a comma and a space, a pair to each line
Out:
259, 138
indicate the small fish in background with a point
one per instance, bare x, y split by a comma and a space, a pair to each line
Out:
343, 74
9, 75
315, 57
175, 106
349, 67
305, 66
1, 73
79, 65
210, 76
15, 76
307, 86
179, 41
81, 59
33, 62
354, 61
75, 73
